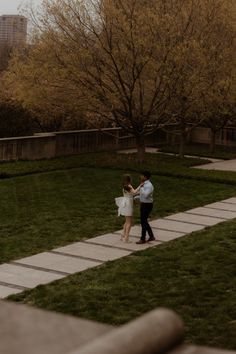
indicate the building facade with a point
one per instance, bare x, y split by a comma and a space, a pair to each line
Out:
13, 30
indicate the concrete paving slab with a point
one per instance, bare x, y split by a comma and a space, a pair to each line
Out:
56, 262
29, 278
221, 214
227, 165
222, 206
113, 240
6, 291
156, 151
135, 231
230, 200
46, 267
166, 235
197, 219
93, 251
160, 235
175, 225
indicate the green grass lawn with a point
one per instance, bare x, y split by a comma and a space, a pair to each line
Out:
47, 210
56, 202
159, 164
194, 275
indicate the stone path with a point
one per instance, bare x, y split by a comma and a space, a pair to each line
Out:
43, 268
156, 151
227, 165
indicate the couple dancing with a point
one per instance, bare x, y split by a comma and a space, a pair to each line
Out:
144, 193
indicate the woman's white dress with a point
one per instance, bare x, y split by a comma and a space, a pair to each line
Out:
125, 204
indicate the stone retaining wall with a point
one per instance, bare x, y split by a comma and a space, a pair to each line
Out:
49, 145
27, 148
225, 137
202, 135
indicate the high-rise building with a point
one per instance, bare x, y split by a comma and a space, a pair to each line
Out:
13, 29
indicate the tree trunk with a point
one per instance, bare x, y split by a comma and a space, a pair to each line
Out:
140, 143
182, 145
213, 141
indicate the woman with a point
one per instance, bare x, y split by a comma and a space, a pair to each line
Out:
125, 205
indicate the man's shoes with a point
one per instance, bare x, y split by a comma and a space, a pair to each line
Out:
140, 242
151, 239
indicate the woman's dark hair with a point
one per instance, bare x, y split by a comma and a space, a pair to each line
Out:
126, 181
146, 174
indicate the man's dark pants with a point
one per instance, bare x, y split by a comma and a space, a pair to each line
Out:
145, 210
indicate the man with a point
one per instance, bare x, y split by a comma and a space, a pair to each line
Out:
146, 205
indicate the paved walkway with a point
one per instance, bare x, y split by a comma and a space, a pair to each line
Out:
226, 165
43, 268
156, 151
216, 164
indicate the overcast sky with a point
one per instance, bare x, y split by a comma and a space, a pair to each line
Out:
11, 6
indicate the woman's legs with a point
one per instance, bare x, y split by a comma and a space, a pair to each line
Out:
128, 225
124, 231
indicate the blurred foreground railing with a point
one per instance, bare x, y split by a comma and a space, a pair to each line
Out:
25, 330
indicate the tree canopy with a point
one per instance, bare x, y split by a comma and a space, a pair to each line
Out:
136, 64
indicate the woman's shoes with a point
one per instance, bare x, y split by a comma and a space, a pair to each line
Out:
125, 239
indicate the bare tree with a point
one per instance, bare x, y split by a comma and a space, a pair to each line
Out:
201, 90
220, 108
119, 61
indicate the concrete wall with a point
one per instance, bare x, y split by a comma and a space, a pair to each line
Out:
27, 148
49, 145
202, 135
226, 137
70, 143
